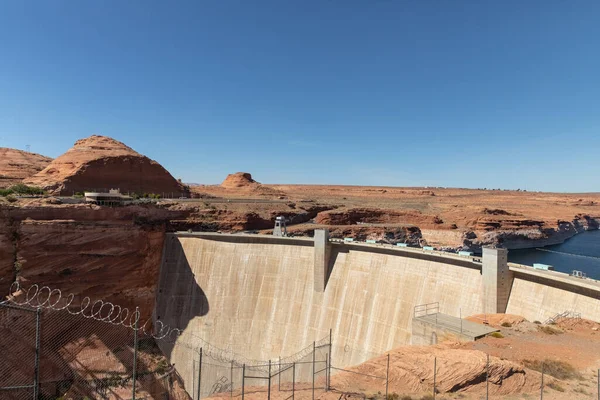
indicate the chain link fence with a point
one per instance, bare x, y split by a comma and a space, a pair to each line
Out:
60, 347
54, 348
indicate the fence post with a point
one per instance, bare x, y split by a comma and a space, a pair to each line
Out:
293, 379
36, 370
194, 380
135, 350
313, 371
326, 359
231, 380
487, 378
279, 374
542, 384
599, 384
460, 314
243, 379
269, 388
330, 351
434, 374
387, 376
199, 373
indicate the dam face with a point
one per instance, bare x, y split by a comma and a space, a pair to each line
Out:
260, 298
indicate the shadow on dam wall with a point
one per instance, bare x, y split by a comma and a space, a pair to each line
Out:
178, 294
180, 299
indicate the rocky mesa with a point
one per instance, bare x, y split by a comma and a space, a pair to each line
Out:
101, 163
16, 165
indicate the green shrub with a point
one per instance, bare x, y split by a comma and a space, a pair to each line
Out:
549, 330
23, 189
506, 324
537, 322
11, 198
406, 397
162, 367
556, 386
393, 396
496, 335
18, 266
581, 390
558, 369
427, 397
5, 192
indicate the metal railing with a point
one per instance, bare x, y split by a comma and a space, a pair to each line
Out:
422, 310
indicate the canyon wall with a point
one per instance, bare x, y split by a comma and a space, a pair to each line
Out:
104, 253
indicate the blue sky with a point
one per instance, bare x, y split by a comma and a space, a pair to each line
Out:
403, 93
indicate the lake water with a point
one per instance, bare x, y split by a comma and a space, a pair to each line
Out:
583, 255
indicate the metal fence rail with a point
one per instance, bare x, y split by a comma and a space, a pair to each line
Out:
422, 310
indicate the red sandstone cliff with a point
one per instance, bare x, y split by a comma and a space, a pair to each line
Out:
16, 165
102, 163
105, 253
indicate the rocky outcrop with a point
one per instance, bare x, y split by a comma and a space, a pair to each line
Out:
243, 183
239, 180
377, 216
105, 253
214, 219
16, 165
458, 370
523, 233
102, 163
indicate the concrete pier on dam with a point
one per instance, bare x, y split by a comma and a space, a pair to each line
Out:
264, 297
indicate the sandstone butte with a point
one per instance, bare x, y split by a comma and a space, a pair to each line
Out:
239, 180
16, 165
102, 163
244, 183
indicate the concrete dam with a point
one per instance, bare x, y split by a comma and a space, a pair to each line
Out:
262, 297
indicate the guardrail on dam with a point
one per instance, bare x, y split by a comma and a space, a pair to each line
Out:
264, 297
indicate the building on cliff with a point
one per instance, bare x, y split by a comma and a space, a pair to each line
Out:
112, 198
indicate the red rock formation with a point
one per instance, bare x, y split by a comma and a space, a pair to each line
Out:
16, 165
242, 182
239, 180
378, 216
102, 163
102, 252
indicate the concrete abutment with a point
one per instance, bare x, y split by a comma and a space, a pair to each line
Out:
322, 258
497, 280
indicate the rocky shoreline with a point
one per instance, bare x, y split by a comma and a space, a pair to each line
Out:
533, 238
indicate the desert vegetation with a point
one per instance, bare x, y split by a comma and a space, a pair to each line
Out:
21, 190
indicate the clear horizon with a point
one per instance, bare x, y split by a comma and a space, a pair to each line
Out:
406, 94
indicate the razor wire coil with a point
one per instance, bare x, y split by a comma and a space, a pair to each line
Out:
44, 297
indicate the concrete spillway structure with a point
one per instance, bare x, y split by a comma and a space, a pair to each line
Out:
264, 297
